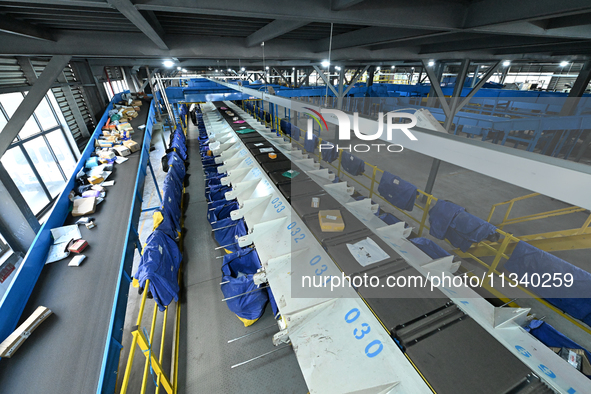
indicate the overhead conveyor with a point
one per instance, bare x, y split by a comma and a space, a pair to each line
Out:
77, 349
454, 339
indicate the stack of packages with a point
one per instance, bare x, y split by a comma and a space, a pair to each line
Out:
111, 147
244, 297
161, 255
117, 131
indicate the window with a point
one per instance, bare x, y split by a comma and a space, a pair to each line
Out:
40, 159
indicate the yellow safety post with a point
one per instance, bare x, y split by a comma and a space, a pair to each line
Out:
425, 212
373, 180
162, 338
134, 341
339, 170
150, 345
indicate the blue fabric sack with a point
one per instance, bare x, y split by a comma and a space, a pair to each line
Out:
222, 211
230, 234
238, 270
160, 262
574, 300
441, 216
430, 248
396, 190
352, 164
310, 145
466, 228
329, 154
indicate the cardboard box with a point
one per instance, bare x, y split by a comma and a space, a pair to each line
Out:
122, 151
18, 337
124, 126
331, 220
107, 154
78, 246
136, 103
585, 364
95, 180
84, 206
132, 145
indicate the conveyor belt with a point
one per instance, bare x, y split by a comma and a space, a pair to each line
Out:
65, 354
452, 352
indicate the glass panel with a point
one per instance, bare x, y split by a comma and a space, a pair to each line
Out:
45, 165
10, 102
23, 176
62, 151
2, 121
45, 115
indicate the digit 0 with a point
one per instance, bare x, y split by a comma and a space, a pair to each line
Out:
374, 343
355, 312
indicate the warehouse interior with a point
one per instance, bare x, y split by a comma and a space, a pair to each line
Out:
176, 175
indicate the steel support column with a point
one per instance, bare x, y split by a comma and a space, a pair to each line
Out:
18, 223
341, 88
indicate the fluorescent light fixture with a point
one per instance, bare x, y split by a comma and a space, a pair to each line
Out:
242, 69
431, 63
393, 67
325, 63
563, 63
267, 67
184, 70
217, 71
378, 68
293, 68
168, 63
506, 63
179, 67
229, 70
337, 68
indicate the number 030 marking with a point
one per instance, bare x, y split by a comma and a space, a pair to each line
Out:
374, 347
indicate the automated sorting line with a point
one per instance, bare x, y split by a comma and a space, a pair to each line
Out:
449, 348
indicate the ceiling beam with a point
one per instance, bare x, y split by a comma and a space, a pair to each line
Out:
569, 21
272, 30
495, 12
430, 38
135, 17
425, 14
338, 5
70, 3
13, 26
369, 36
571, 47
486, 43
135, 49
534, 30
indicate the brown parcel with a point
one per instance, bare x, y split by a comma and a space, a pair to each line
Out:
122, 150
331, 220
84, 206
132, 145
18, 337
